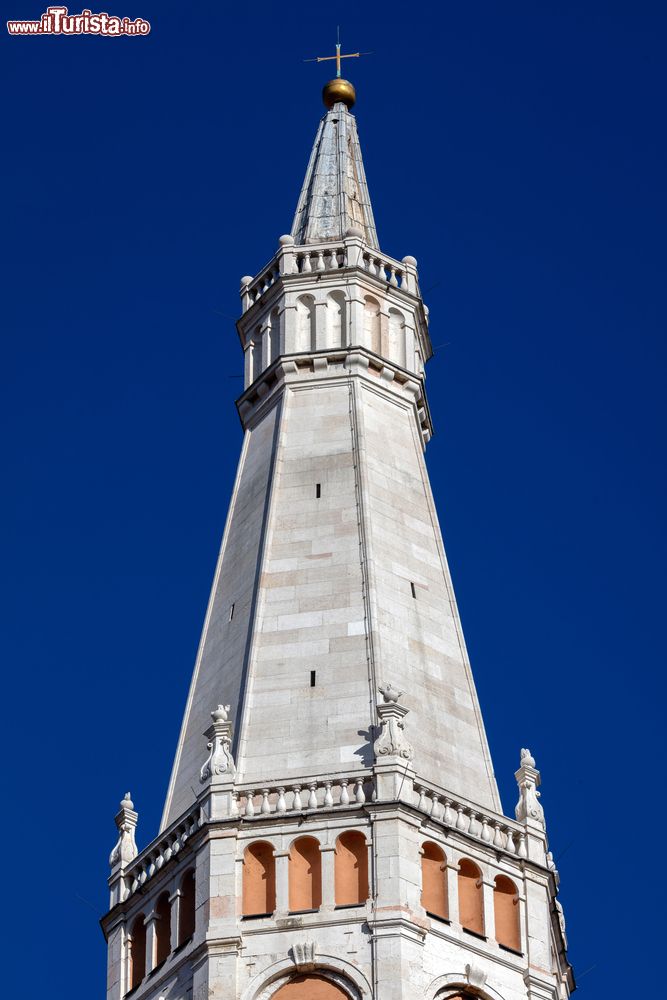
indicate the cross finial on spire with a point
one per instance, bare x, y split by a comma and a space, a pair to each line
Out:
338, 56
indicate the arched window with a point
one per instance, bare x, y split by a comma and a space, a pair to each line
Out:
310, 988
397, 337
137, 952
434, 881
351, 869
372, 338
305, 875
162, 929
305, 323
256, 354
336, 326
506, 911
259, 880
471, 901
186, 912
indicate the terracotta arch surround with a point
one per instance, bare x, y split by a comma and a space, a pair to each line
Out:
311, 986
455, 984
348, 977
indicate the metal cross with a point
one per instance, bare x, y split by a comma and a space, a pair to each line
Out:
338, 56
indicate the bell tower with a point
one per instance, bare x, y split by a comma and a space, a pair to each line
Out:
332, 826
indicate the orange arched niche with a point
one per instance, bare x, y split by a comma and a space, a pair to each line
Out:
259, 879
137, 952
162, 929
311, 987
351, 869
305, 875
186, 913
434, 880
506, 912
471, 902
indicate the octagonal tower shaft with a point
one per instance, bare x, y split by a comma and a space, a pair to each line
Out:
332, 575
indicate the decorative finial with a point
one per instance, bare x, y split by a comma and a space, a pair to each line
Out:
389, 693
528, 809
392, 742
126, 822
220, 760
338, 90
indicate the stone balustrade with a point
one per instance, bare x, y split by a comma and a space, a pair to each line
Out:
503, 834
157, 854
292, 259
304, 796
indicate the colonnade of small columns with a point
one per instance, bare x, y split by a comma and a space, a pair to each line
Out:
165, 927
458, 891
307, 876
333, 320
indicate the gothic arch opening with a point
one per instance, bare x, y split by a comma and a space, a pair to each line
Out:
137, 952
506, 912
186, 910
434, 881
305, 875
259, 880
310, 987
397, 337
305, 324
275, 334
471, 900
351, 869
256, 354
162, 929
372, 336
336, 320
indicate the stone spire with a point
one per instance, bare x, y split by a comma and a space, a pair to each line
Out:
334, 196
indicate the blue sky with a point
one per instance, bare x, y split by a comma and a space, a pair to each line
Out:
518, 151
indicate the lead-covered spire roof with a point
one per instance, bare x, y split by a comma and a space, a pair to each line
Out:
334, 196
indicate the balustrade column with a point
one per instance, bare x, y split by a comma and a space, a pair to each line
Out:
453, 891
282, 882
328, 853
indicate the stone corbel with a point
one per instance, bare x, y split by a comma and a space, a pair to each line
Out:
303, 956
475, 976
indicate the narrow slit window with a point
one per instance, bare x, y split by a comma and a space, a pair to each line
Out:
312, 678
231, 612
318, 490
413, 590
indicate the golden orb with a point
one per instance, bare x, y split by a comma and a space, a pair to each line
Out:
338, 90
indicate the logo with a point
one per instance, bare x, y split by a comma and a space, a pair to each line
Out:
58, 21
